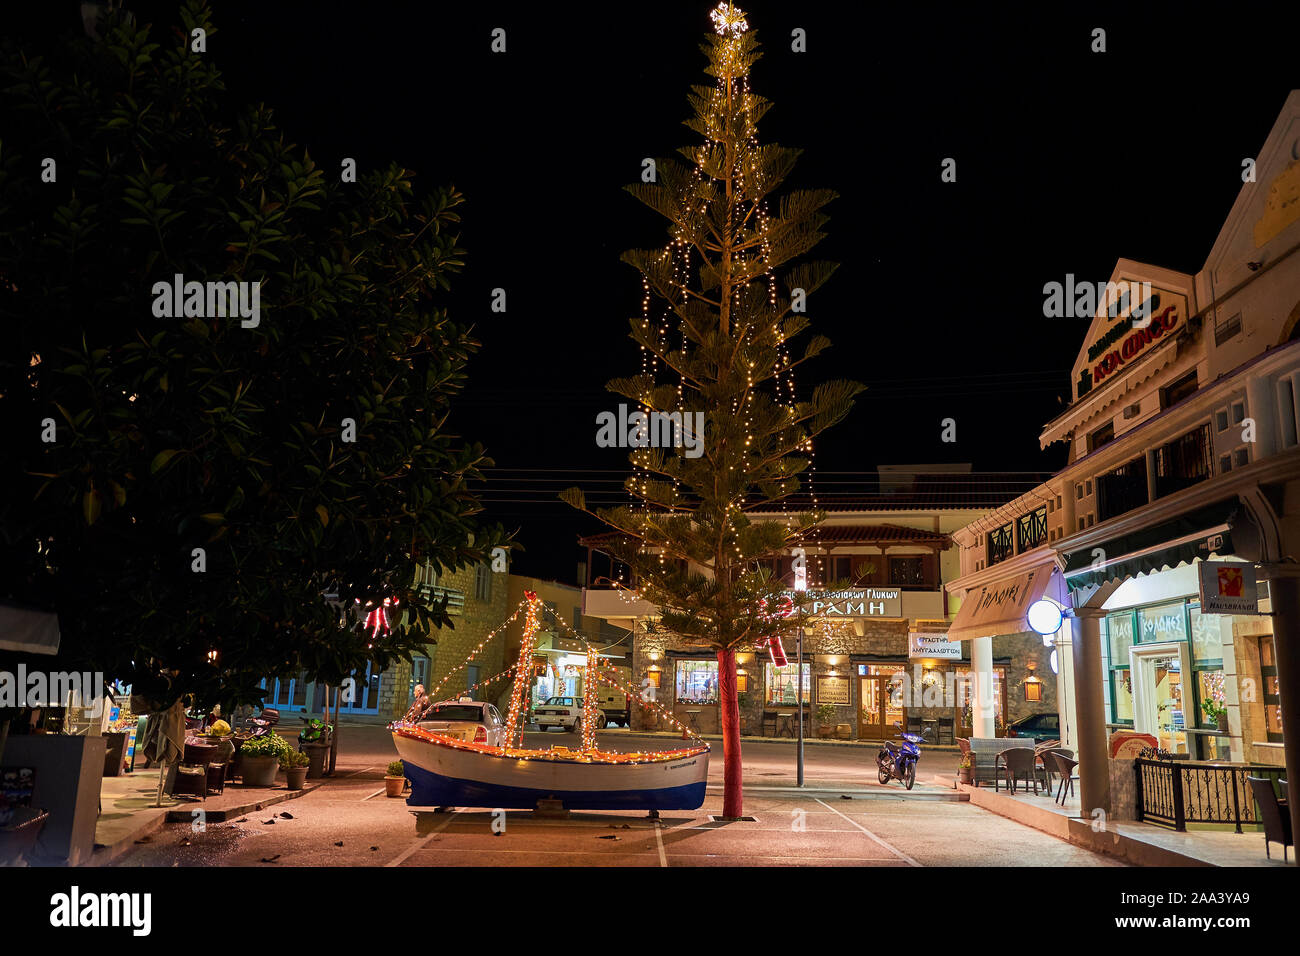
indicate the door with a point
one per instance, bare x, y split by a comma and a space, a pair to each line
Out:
1160, 694
419, 675
880, 705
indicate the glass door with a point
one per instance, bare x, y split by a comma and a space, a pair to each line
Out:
871, 712
1160, 695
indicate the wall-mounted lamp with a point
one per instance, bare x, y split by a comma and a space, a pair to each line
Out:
1033, 686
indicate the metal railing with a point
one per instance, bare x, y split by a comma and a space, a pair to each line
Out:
1174, 793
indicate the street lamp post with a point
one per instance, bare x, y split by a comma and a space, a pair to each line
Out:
799, 705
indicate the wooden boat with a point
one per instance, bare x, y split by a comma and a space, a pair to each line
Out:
449, 773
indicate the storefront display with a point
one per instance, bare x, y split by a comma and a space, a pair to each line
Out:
782, 685
697, 682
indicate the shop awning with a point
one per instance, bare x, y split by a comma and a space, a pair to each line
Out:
1198, 534
1000, 607
28, 631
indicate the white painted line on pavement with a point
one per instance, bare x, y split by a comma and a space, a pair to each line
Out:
375, 794
899, 853
659, 838
362, 770
405, 854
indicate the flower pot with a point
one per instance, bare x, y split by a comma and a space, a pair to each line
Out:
259, 771
393, 785
1223, 723
316, 759
963, 775
844, 731
295, 777
825, 730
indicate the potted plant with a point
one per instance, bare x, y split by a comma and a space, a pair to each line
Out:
964, 767
294, 763
1216, 712
826, 720
742, 701
395, 779
260, 758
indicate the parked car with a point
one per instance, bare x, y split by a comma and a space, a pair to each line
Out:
562, 712
1041, 727
474, 721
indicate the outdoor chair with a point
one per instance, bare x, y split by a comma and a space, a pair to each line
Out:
1017, 763
1049, 765
1065, 767
774, 718
963, 744
1277, 825
914, 725
946, 727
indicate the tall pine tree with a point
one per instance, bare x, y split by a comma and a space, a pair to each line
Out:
722, 303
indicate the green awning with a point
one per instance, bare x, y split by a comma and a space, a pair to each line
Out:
1197, 534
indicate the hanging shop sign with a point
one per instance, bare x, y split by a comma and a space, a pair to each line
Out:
933, 644
855, 602
833, 690
1125, 744
1228, 587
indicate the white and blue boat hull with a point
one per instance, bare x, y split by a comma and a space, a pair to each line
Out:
442, 774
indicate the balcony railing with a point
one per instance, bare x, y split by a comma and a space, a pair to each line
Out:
1122, 489
1183, 462
429, 593
1000, 546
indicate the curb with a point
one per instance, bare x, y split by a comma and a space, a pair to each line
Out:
107, 854
855, 793
814, 741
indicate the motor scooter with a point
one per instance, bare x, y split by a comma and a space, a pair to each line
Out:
898, 761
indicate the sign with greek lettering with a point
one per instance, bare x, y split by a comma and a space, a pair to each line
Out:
833, 690
933, 644
855, 602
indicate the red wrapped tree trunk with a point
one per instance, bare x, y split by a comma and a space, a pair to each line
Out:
732, 792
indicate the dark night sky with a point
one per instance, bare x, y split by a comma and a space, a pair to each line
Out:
1067, 160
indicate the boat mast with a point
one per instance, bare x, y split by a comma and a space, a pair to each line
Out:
523, 672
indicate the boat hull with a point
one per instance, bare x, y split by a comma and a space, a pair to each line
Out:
443, 775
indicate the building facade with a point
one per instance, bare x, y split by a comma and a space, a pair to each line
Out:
1183, 468
876, 652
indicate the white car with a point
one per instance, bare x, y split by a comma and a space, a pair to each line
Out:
473, 721
563, 712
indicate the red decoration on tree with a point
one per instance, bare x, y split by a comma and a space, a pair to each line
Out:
776, 651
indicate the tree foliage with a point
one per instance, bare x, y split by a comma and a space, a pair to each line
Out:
196, 432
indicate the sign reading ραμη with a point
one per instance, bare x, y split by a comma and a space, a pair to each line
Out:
856, 602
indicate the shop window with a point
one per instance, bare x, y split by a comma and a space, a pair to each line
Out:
1272, 696
1162, 622
697, 682
907, 572
1207, 637
1120, 629
1210, 699
1121, 694
782, 685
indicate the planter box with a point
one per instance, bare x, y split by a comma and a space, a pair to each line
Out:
69, 773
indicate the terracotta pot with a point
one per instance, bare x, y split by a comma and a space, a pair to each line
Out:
1223, 723
295, 777
393, 785
825, 730
259, 771
964, 774
316, 759
844, 731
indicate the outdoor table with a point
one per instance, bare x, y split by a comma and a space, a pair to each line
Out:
787, 723
933, 724
692, 717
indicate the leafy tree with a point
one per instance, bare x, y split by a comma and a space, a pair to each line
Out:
204, 491
689, 536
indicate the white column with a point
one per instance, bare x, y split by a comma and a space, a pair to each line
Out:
981, 664
1063, 643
